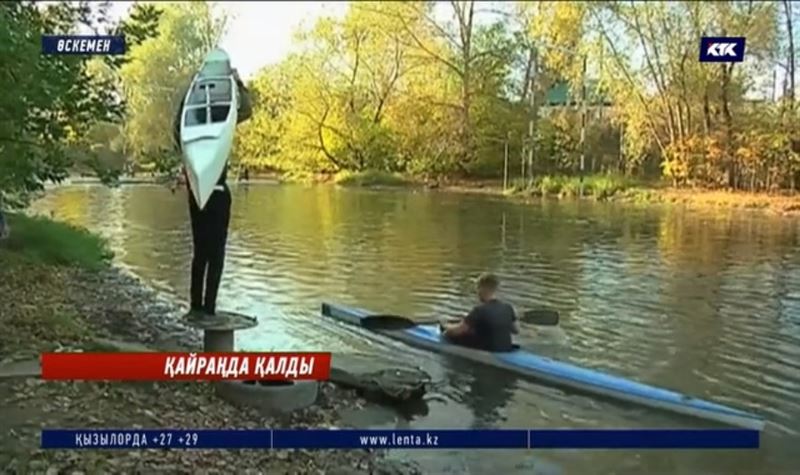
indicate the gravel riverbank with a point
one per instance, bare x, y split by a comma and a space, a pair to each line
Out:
60, 308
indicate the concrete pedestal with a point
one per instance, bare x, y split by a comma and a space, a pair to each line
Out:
217, 340
218, 329
267, 397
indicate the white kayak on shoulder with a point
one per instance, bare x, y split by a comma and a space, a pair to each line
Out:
208, 124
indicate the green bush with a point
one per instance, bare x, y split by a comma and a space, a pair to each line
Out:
370, 178
39, 239
551, 185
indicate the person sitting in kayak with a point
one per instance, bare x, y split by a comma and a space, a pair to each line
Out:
210, 224
489, 325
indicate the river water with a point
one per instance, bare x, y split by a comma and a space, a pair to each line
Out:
704, 303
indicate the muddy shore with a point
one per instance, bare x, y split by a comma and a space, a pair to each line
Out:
62, 308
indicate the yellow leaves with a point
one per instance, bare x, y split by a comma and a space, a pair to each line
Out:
757, 21
763, 159
557, 31
386, 86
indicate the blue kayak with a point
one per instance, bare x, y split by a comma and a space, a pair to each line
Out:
545, 369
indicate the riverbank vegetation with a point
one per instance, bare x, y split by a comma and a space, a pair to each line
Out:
37, 258
371, 178
38, 240
532, 90
58, 294
538, 93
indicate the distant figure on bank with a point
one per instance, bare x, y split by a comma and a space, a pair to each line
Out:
489, 325
210, 224
5, 230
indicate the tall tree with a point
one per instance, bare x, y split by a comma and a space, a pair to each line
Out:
451, 44
53, 102
158, 73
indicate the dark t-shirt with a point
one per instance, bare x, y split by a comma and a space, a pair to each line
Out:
491, 324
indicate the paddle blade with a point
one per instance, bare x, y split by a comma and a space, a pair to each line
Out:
545, 317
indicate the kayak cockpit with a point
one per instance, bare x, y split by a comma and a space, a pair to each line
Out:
393, 323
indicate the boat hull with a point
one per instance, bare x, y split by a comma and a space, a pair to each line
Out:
208, 125
559, 373
205, 161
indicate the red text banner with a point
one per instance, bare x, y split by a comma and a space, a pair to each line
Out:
237, 366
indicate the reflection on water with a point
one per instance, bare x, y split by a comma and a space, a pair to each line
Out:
707, 304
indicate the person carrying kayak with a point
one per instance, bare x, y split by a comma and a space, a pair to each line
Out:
489, 325
210, 224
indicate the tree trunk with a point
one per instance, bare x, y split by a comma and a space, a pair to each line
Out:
529, 65
583, 124
466, 14
533, 120
727, 118
787, 6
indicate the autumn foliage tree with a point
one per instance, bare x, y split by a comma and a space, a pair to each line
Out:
429, 89
439, 89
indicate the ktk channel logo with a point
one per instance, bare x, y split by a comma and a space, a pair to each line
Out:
722, 49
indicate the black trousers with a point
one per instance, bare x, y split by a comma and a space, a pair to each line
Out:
209, 236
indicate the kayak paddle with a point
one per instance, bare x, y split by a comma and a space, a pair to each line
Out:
542, 317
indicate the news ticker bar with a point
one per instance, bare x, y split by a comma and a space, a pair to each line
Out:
400, 439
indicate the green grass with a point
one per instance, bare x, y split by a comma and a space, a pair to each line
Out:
370, 178
599, 187
551, 185
607, 186
41, 240
38, 262
640, 195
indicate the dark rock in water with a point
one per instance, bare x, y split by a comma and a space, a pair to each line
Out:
380, 384
399, 384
